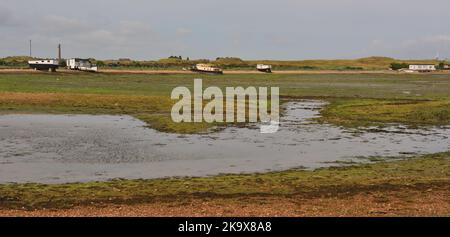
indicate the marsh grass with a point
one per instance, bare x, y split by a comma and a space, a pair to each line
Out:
429, 169
356, 99
369, 112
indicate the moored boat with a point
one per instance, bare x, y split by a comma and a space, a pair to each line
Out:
264, 68
44, 65
206, 68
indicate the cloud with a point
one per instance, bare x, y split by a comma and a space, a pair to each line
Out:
284, 29
421, 47
134, 28
7, 18
64, 23
69, 28
434, 39
181, 32
434, 42
81, 37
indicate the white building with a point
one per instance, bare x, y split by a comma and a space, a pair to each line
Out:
422, 67
81, 64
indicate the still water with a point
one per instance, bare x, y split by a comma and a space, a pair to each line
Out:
81, 148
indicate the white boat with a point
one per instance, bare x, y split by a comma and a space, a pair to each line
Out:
206, 68
44, 65
422, 67
264, 68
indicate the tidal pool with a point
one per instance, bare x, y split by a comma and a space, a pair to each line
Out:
81, 148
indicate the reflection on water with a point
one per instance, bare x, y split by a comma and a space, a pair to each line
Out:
78, 148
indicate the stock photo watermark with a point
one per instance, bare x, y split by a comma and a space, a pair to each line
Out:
231, 106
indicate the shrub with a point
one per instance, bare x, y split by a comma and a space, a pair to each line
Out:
398, 66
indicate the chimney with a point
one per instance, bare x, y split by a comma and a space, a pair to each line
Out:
30, 49
59, 53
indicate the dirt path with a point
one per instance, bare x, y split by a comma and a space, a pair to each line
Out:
426, 201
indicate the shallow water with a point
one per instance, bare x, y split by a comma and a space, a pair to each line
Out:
80, 148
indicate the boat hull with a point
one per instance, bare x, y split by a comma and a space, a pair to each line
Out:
267, 70
44, 67
207, 72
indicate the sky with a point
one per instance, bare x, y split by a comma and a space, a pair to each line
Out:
249, 29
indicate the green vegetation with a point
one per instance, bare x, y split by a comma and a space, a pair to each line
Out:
365, 112
398, 66
427, 170
15, 62
356, 99
441, 66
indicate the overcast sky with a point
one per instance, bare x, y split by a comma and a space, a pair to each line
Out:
250, 29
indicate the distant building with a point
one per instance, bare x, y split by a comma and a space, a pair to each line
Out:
422, 67
44, 65
446, 67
